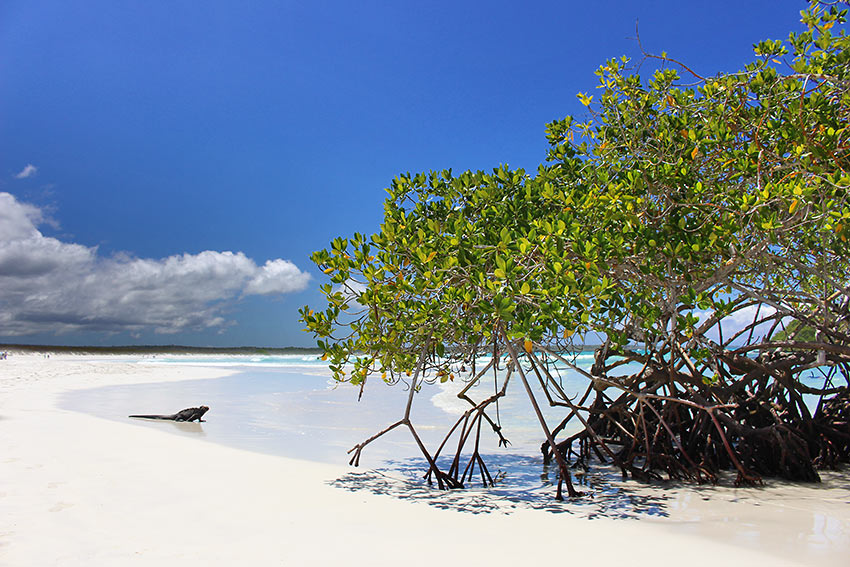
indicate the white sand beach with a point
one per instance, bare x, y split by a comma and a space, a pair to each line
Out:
81, 490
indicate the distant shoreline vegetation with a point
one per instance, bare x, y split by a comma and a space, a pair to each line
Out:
158, 349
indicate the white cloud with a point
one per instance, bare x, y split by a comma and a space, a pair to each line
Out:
28, 171
276, 276
740, 320
50, 285
17, 220
351, 290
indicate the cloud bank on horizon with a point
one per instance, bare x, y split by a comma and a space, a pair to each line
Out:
47, 285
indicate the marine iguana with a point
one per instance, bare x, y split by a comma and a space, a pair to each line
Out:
188, 414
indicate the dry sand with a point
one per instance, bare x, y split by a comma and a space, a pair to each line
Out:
80, 490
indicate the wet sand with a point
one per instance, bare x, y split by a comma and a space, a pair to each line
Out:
79, 489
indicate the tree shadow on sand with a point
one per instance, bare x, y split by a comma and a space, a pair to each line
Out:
522, 482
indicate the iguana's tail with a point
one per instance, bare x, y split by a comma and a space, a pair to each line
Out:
154, 416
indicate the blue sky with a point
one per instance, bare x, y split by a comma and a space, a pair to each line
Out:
167, 168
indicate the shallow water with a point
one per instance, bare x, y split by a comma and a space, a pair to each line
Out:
297, 412
307, 416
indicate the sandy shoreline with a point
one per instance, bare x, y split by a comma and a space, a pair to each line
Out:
76, 489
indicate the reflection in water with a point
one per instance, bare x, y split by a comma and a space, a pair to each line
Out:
189, 427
